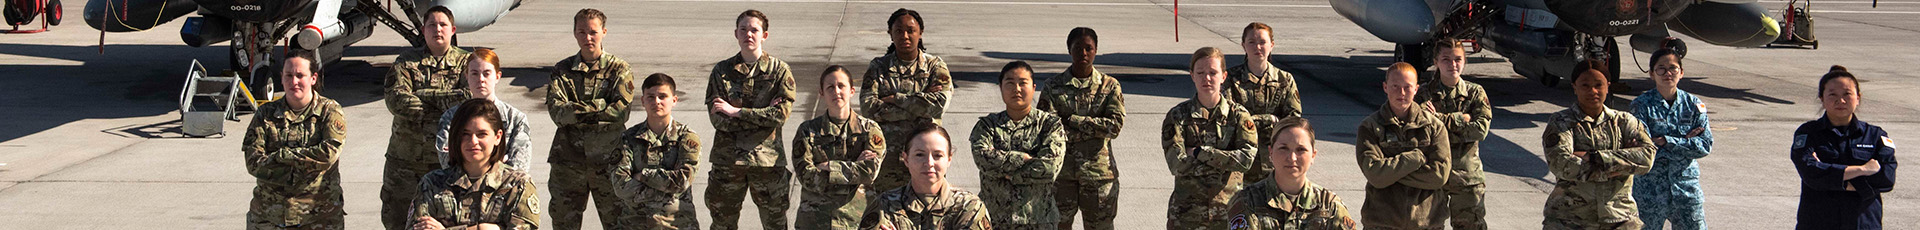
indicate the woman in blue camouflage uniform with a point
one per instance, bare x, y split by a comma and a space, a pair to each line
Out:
1670, 192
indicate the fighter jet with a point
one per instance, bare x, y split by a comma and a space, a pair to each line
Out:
255, 27
1544, 39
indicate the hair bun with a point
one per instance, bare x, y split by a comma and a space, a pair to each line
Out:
1838, 68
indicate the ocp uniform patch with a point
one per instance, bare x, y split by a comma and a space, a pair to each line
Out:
1239, 222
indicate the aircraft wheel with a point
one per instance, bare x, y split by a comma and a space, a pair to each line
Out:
1550, 80
1416, 55
53, 12
13, 15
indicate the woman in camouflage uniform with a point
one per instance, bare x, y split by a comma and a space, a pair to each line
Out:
478, 190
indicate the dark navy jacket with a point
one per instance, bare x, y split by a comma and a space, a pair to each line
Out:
1821, 153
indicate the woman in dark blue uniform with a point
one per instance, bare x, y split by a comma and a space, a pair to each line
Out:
1844, 163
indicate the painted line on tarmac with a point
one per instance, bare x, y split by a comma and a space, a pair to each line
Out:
1009, 3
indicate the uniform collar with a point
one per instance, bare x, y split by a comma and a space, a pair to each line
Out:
1270, 73
1202, 112
452, 57
1679, 95
903, 66
659, 138
1852, 126
1579, 115
1443, 88
1093, 76
762, 64
298, 114
917, 202
489, 181
1292, 203
582, 65
1415, 118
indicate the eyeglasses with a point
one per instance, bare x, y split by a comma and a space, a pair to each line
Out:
1667, 69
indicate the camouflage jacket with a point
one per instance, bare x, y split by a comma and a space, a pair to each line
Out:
651, 170
904, 209
1406, 162
588, 98
1203, 141
763, 90
1597, 188
1269, 98
920, 89
1018, 162
838, 143
1092, 110
1263, 206
1465, 111
293, 156
501, 197
419, 87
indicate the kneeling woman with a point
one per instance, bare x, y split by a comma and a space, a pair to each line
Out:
476, 190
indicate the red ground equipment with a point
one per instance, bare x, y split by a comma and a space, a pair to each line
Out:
22, 12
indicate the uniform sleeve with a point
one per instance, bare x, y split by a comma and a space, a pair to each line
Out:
1883, 180
399, 92
1239, 153
774, 114
993, 161
1439, 163
422, 204
259, 154
308, 163
861, 171
526, 210
1384, 168
1815, 174
1557, 140
1236, 210
803, 151
876, 217
1635, 158
615, 110
520, 150
1475, 129
1107, 120
1341, 219
1694, 147
441, 132
1173, 141
1291, 94
716, 89
1045, 166
676, 178
975, 218
625, 185
870, 103
931, 100
561, 105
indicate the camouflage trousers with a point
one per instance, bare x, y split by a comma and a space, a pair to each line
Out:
831, 211
572, 184
893, 171
1097, 201
728, 186
1011, 226
1670, 200
1200, 202
335, 221
677, 215
1466, 205
1559, 224
399, 185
